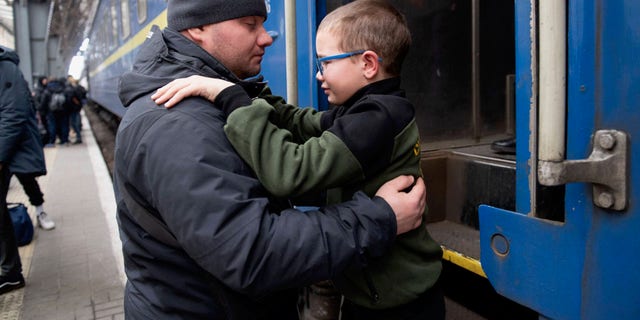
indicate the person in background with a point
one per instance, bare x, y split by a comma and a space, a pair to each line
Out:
29, 180
76, 95
38, 94
368, 137
55, 103
36, 198
20, 152
201, 237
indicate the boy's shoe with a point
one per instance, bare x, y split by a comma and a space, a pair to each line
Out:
11, 282
45, 222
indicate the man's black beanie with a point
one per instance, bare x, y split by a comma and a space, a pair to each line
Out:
185, 14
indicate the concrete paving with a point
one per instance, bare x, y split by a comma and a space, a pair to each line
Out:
74, 271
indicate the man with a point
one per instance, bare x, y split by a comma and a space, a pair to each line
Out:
76, 94
54, 101
202, 239
38, 94
20, 153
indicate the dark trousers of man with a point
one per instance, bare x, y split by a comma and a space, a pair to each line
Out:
31, 188
58, 127
9, 256
74, 120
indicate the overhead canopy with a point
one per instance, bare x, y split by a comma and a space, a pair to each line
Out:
68, 21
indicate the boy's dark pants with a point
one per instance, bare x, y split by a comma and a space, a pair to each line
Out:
430, 305
9, 256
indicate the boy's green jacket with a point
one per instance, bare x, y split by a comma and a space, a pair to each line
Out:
369, 140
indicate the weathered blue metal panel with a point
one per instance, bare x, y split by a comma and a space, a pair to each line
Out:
524, 80
609, 93
585, 267
274, 64
542, 269
306, 37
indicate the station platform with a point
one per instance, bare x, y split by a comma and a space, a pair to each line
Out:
74, 271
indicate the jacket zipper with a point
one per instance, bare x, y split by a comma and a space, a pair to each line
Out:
373, 292
375, 297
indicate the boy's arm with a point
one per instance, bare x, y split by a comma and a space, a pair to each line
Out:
356, 145
284, 166
287, 164
177, 90
303, 123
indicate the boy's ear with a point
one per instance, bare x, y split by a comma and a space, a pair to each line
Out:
372, 66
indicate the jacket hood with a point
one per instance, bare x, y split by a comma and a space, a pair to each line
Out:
8, 54
150, 71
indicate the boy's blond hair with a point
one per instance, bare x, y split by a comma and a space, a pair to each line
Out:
371, 25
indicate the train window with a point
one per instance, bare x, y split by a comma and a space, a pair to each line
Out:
459, 100
142, 11
114, 24
126, 23
332, 4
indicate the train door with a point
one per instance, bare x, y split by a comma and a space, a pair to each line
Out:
459, 74
578, 93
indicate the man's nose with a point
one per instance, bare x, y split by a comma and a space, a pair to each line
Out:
265, 38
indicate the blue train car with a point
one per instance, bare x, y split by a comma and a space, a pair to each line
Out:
119, 27
547, 217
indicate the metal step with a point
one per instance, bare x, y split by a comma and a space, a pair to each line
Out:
458, 181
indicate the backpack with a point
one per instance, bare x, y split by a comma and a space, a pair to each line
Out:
22, 225
57, 101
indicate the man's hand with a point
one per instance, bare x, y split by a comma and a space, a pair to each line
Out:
408, 206
182, 88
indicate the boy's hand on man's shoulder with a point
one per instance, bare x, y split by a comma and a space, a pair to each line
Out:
179, 89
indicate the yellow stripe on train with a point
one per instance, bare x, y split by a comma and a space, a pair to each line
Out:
463, 261
135, 41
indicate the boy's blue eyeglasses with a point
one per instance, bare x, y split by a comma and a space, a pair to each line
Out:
321, 62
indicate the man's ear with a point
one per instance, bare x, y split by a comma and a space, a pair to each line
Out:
372, 66
194, 34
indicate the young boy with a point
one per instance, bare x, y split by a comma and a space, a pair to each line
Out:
369, 137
